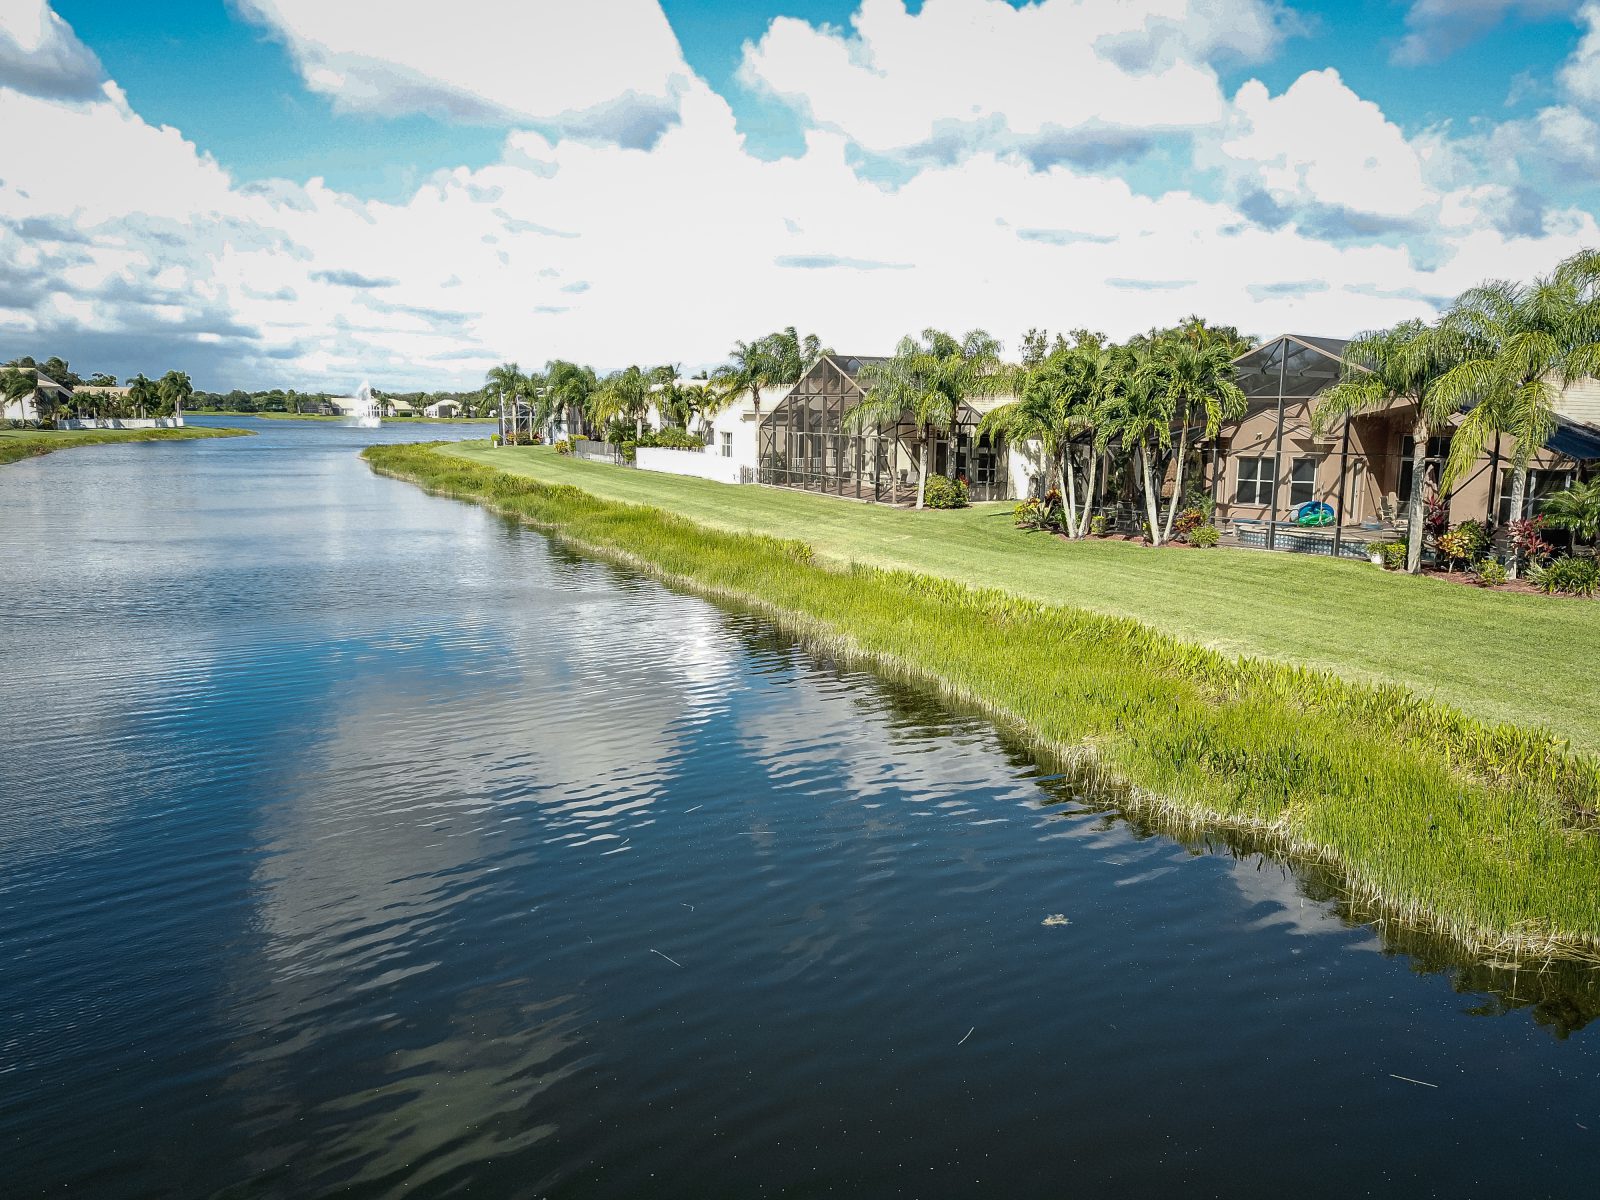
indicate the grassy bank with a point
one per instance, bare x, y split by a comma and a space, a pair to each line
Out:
17, 444
1484, 832
1518, 658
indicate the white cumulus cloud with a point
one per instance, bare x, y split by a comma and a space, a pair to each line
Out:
605, 69
1071, 80
1329, 219
41, 55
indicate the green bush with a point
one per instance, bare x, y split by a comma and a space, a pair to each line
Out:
564, 446
943, 492
1394, 555
1464, 543
663, 439
1027, 514
1567, 577
1204, 536
1491, 573
1100, 525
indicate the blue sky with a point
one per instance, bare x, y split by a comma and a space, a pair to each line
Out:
240, 98
526, 181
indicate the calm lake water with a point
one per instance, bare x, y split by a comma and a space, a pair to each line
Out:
356, 841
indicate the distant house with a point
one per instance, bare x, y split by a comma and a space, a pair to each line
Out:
443, 408
45, 389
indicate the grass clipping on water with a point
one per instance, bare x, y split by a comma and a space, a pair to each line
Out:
1483, 832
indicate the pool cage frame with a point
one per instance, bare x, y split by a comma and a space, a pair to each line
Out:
802, 443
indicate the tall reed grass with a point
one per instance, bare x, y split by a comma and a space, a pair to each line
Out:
1484, 832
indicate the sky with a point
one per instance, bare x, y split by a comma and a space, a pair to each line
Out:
298, 193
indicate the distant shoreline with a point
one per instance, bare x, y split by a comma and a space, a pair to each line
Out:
18, 444
283, 416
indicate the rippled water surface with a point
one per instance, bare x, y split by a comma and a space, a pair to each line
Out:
353, 840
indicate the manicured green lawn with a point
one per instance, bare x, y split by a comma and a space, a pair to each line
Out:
1526, 659
18, 444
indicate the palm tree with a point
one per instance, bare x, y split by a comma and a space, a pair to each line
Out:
1139, 412
751, 366
175, 390
1196, 372
17, 385
142, 394
568, 387
503, 383
1576, 509
622, 395
1399, 366
792, 355
1522, 345
931, 380
1061, 402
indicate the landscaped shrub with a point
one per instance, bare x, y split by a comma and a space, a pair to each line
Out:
1435, 518
1464, 543
673, 439
1394, 555
1099, 525
1204, 536
1491, 573
564, 446
943, 492
1567, 577
1187, 521
1527, 541
1028, 514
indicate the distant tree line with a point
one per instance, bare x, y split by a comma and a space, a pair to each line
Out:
288, 400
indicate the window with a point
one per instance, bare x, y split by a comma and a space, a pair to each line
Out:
1302, 482
1255, 481
727, 445
986, 465
1542, 484
1438, 451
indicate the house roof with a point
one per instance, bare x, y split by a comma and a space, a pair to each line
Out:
851, 364
41, 380
1332, 347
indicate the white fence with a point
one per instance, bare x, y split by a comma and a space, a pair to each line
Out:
120, 423
696, 463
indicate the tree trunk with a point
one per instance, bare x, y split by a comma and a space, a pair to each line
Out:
922, 471
1519, 493
1088, 496
1177, 478
638, 427
1416, 507
1149, 495
1069, 489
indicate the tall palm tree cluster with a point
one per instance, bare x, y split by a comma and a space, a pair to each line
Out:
1491, 367
1146, 402
569, 391
144, 397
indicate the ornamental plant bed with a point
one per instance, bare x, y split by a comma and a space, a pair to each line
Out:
1519, 586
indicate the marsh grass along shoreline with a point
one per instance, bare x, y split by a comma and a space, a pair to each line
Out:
1484, 832
18, 444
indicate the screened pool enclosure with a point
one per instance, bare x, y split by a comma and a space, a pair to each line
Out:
804, 443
